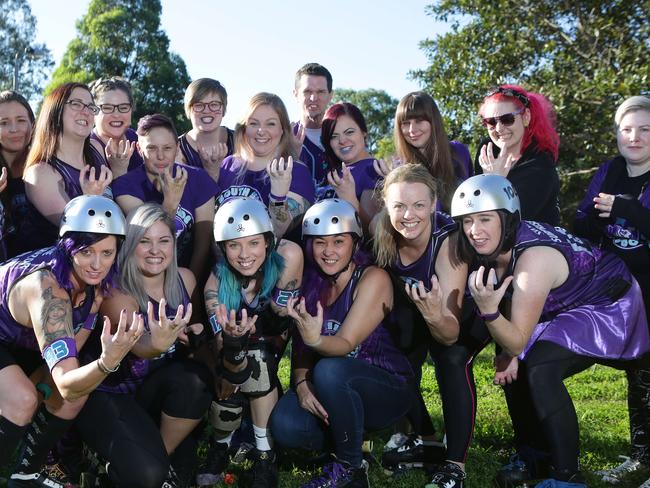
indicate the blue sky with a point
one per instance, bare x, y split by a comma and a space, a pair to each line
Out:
254, 46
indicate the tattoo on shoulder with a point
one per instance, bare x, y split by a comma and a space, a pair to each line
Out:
291, 285
211, 298
56, 318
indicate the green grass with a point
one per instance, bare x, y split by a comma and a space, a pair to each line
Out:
599, 395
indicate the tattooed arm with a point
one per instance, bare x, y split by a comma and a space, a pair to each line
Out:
289, 215
291, 276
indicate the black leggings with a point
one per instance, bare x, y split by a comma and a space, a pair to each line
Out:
123, 429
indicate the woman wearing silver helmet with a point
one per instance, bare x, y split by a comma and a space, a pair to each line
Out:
556, 305
246, 299
48, 306
344, 358
150, 406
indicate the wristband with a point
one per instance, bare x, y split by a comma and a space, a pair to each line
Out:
105, 369
295, 387
488, 317
216, 326
234, 348
281, 297
45, 390
276, 198
59, 350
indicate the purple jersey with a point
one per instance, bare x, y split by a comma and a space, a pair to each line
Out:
377, 349
423, 268
38, 232
598, 311
133, 369
236, 181
314, 158
131, 136
15, 334
192, 157
19, 207
365, 178
199, 189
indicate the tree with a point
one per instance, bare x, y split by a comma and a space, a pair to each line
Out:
377, 107
585, 56
124, 38
18, 50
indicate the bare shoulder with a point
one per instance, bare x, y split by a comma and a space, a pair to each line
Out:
289, 250
116, 301
375, 279
41, 173
189, 280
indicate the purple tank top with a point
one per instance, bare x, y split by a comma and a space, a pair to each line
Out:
598, 311
12, 332
133, 369
131, 136
192, 157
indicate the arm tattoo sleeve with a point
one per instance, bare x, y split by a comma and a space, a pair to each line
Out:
56, 318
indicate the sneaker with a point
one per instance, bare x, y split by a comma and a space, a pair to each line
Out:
241, 454
211, 470
414, 453
339, 474
616, 474
51, 476
172, 479
396, 440
265, 470
449, 475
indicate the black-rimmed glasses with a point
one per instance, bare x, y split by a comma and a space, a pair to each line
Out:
109, 108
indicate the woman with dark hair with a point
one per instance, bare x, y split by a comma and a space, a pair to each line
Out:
49, 304
185, 192
112, 135
351, 173
263, 165
524, 148
615, 213
158, 397
343, 357
556, 305
62, 163
207, 143
16, 129
246, 301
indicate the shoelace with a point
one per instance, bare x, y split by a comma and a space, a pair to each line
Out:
332, 473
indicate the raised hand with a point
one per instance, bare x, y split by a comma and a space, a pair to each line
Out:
118, 154
116, 346
308, 325
93, 183
165, 331
383, 166
172, 187
500, 165
344, 185
486, 297
279, 172
211, 157
604, 203
429, 303
232, 326
297, 138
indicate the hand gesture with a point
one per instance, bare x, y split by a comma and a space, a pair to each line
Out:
3, 179
307, 400
499, 165
118, 154
211, 157
172, 187
506, 369
383, 167
279, 172
308, 326
297, 138
164, 331
344, 185
116, 346
604, 203
429, 303
92, 183
487, 297
233, 327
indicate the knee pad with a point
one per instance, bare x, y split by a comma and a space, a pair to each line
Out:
225, 415
263, 364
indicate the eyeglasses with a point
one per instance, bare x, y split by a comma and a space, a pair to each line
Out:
213, 106
78, 106
505, 119
509, 92
109, 108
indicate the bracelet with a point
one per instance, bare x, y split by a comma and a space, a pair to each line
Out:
104, 369
295, 387
314, 344
277, 198
488, 317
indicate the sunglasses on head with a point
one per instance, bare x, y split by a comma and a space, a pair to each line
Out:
509, 92
505, 119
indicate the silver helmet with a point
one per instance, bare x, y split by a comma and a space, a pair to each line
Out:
483, 193
331, 216
91, 213
241, 217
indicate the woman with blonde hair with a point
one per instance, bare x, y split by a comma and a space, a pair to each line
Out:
263, 165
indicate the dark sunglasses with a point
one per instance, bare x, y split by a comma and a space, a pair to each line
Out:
509, 92
505, 119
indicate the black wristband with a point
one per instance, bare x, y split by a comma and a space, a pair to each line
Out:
295, 387
234, 348
235, 377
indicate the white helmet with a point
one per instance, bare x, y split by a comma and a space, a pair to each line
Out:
483, 193
91, 213
241, 217
329, 217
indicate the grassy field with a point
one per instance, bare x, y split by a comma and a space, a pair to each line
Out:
598, 393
